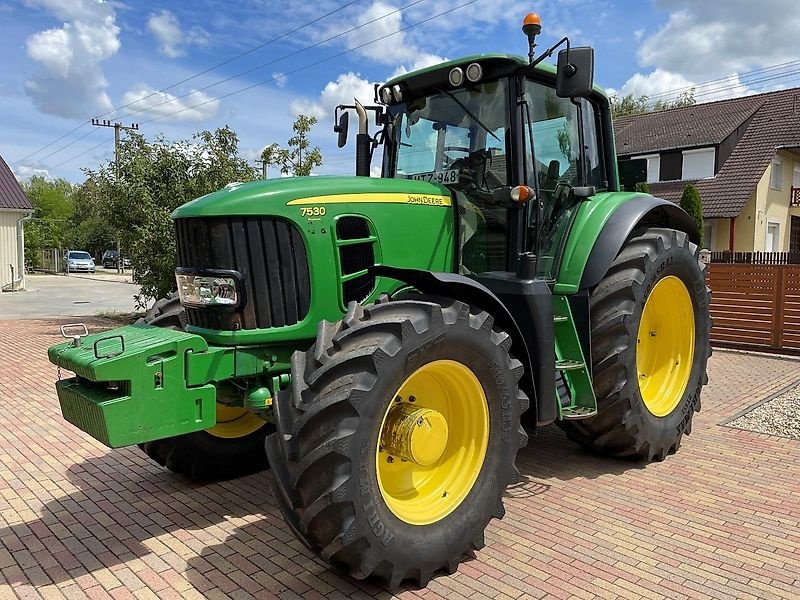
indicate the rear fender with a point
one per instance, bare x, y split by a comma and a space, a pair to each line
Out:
602, 225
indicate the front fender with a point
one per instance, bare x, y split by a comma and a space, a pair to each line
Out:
601, 227
465, 289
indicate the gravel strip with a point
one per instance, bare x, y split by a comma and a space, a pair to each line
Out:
780, 416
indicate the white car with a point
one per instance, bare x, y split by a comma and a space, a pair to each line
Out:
77, 261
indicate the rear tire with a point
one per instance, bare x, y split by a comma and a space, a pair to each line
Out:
633, 420
202, 456
333, 476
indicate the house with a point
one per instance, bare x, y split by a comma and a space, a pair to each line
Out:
743, 155
14, 209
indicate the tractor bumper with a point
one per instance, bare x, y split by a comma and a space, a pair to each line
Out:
139, 383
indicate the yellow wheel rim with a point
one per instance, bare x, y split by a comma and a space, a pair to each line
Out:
235, 422
432, 442
665, 346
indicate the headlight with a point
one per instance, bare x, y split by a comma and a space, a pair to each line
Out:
474, 72
210, 289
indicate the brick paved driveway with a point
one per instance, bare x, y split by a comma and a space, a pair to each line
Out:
721, 519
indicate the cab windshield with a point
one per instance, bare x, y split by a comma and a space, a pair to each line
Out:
460, 138
437, 134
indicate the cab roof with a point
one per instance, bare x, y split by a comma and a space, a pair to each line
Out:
494, 66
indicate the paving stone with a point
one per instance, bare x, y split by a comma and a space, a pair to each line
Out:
720, 519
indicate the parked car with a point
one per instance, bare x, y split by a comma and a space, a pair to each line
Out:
78, 261
109, 260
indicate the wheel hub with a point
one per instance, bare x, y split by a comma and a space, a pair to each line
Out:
415, 434
432, 442
665, 346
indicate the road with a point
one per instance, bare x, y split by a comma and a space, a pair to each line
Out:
74, 296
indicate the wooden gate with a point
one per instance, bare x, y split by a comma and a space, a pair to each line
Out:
755, 306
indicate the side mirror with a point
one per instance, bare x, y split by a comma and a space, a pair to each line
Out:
341, 128
575, 75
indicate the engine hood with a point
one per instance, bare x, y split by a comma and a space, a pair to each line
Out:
270, 195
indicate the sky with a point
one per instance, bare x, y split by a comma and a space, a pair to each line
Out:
179, 67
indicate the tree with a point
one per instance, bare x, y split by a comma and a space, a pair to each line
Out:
54, 204
136, 196
297, 159
631, 105
693, 205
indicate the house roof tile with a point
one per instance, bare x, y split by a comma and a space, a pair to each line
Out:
11, 194
775, 123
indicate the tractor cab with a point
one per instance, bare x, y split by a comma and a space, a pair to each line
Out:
518, 142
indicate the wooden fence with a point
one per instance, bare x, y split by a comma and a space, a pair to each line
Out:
756, 258
756, 305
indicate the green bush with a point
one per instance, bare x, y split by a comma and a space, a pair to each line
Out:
138, 193
693, 205
642, 187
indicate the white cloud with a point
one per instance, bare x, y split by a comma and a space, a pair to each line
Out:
167, 29
385, 41
426, 60
157, 104
655, 83
280, 79
27, 171
70, 80
701, 43
342, 91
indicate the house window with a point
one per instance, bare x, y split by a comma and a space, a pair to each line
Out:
776, 178
772, 243
708, 234
796, 176
653, 166
698, 164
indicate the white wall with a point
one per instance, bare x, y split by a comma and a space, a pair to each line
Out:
8, 245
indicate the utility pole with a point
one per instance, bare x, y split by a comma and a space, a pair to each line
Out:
264, 167
117, 127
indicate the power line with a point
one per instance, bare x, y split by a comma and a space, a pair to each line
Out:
55, 141
305, 67
70, 159
269, 63
314, 64
734, 85
232, 59
724, 79
182, 81
65, 146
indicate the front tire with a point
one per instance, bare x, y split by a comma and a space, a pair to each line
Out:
232, 448
650, 346
398, 392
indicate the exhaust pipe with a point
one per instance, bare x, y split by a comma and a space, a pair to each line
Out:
363, 142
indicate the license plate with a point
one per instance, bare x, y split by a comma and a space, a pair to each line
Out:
448, 176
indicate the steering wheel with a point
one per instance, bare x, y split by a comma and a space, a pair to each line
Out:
450, 159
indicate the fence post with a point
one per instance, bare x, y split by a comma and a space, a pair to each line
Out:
779, 298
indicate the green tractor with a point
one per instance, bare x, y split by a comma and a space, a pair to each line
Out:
390, 340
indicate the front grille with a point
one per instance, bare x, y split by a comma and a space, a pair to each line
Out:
268, 252
356, 256
352, 228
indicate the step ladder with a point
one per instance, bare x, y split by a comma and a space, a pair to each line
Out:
580, 401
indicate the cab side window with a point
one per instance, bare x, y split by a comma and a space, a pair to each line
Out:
560, 127
555, 133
